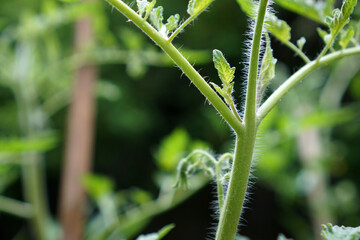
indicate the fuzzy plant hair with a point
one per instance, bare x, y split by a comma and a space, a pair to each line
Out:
231, 171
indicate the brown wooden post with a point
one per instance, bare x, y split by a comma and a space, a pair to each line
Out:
79, 141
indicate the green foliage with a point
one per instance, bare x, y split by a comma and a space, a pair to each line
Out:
195, 7
226, 74
97, 186
326, 37
145, 7
340, 17
172, 22
331, 232
301, 42
267, 70
159, 235
315, 10
156, 18
18, 145
345, 37
172, 148
279, 28
282, 237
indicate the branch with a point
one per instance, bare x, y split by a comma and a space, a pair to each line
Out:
182, 63
298, 76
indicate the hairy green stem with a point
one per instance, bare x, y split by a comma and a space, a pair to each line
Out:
235, 197
182, 63
220, 189
298, 76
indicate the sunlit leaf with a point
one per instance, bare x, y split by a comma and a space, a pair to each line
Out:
324, 35
267, 70
38, 144
97, 186
345, 37
149, 8
315, 10
282, 237
331, 232
279, 28
301, 42
142, 4
172, 149
340, 17
195, 7
159, 235
247, 6
156, 17
172, 22
226, 73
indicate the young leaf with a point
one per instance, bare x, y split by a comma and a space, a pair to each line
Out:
226, 73
159, 235
247, 6
172, 22
149, 7
172, 148
97, 186
141, 4
267, 70
312, 9
279, 28
195, 7
331, 232
324, 35
346, 37
340, 17
301, 42
156, 17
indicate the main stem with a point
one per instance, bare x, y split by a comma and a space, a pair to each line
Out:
235, 197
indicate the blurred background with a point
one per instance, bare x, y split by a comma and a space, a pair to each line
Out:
78, 71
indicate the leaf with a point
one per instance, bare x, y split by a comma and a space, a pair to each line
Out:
172, 22
331, 232
267, 70
172, 148
314, 10
340, 17
346, 37
279, 28
226, 73
324, 35
159, 235
149, 9
156, 17
195, 7
38, 144
301, 42
282, 237
247, 6
144, 7
97, 186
